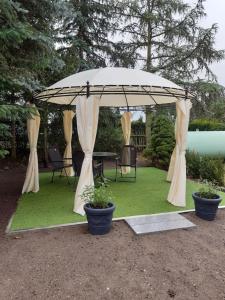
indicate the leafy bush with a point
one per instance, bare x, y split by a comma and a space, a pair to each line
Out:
9, 113
97, 197
208, 191
138, 126
162, 141
205, 167
206, 125
109, 135
193, 160
212, 169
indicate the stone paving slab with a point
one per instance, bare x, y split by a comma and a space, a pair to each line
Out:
157, 223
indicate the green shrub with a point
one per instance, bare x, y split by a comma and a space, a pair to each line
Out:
147, 153
205, 167
212, 169
109, 135
208, 191
162, 141
206, 125
193, 161
97, 197
138, 126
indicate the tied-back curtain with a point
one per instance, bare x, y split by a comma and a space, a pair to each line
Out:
87, 111
177, 168
31, 183
126, 128
68, 131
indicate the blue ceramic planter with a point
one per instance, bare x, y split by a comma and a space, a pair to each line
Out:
99, 220
206, 208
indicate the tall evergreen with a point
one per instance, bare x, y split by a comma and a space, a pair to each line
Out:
27, 52
86, 32
162, 141
26, 44
166, 37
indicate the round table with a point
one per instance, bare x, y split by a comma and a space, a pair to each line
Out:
101, 156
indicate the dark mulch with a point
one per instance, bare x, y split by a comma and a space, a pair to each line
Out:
11, 182
69, 263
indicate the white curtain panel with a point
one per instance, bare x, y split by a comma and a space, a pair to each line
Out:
68, 131
126, 128
31, 183
87, 111
177, 168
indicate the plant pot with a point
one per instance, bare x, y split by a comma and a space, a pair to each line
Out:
99, 219
206, 208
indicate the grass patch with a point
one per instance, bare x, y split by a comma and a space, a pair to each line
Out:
53, 204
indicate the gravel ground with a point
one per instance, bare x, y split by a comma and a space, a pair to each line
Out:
69, 263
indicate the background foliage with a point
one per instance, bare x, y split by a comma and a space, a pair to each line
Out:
205, 167
44, 41
206, 125
162, 141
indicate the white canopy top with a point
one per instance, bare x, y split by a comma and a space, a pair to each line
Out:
115, 86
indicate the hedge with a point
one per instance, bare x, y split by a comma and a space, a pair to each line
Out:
206, 125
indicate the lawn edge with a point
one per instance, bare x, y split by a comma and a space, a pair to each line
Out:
9, 231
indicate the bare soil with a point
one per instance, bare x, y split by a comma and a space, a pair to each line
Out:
69, 263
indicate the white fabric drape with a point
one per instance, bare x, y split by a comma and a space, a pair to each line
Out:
31, 183
126, 128
177, 168
68, 131
87, 111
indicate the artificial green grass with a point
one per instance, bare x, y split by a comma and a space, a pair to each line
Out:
53, 204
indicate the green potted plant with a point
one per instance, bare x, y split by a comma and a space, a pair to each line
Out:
206, 202
99, 209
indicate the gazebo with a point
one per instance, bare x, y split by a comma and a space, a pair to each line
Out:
111, 87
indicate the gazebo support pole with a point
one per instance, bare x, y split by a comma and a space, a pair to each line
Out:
186, 94
88, 89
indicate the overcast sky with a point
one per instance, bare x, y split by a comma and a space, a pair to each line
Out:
215, 10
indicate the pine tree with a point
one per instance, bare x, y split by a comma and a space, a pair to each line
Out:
87, 29
26, 44
166, 37
210, 100
162, 141
27, 52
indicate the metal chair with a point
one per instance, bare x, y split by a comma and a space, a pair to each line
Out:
78, 157
128, 158
58, 163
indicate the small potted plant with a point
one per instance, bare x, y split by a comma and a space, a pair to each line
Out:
99, 209
206, 202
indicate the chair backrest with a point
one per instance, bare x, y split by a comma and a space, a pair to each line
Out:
55, 158
78, 157
128, 155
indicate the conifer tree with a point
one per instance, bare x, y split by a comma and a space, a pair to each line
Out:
165, 37
87, 31
162, 141
27, 53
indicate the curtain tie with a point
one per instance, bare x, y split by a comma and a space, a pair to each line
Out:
88, 155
